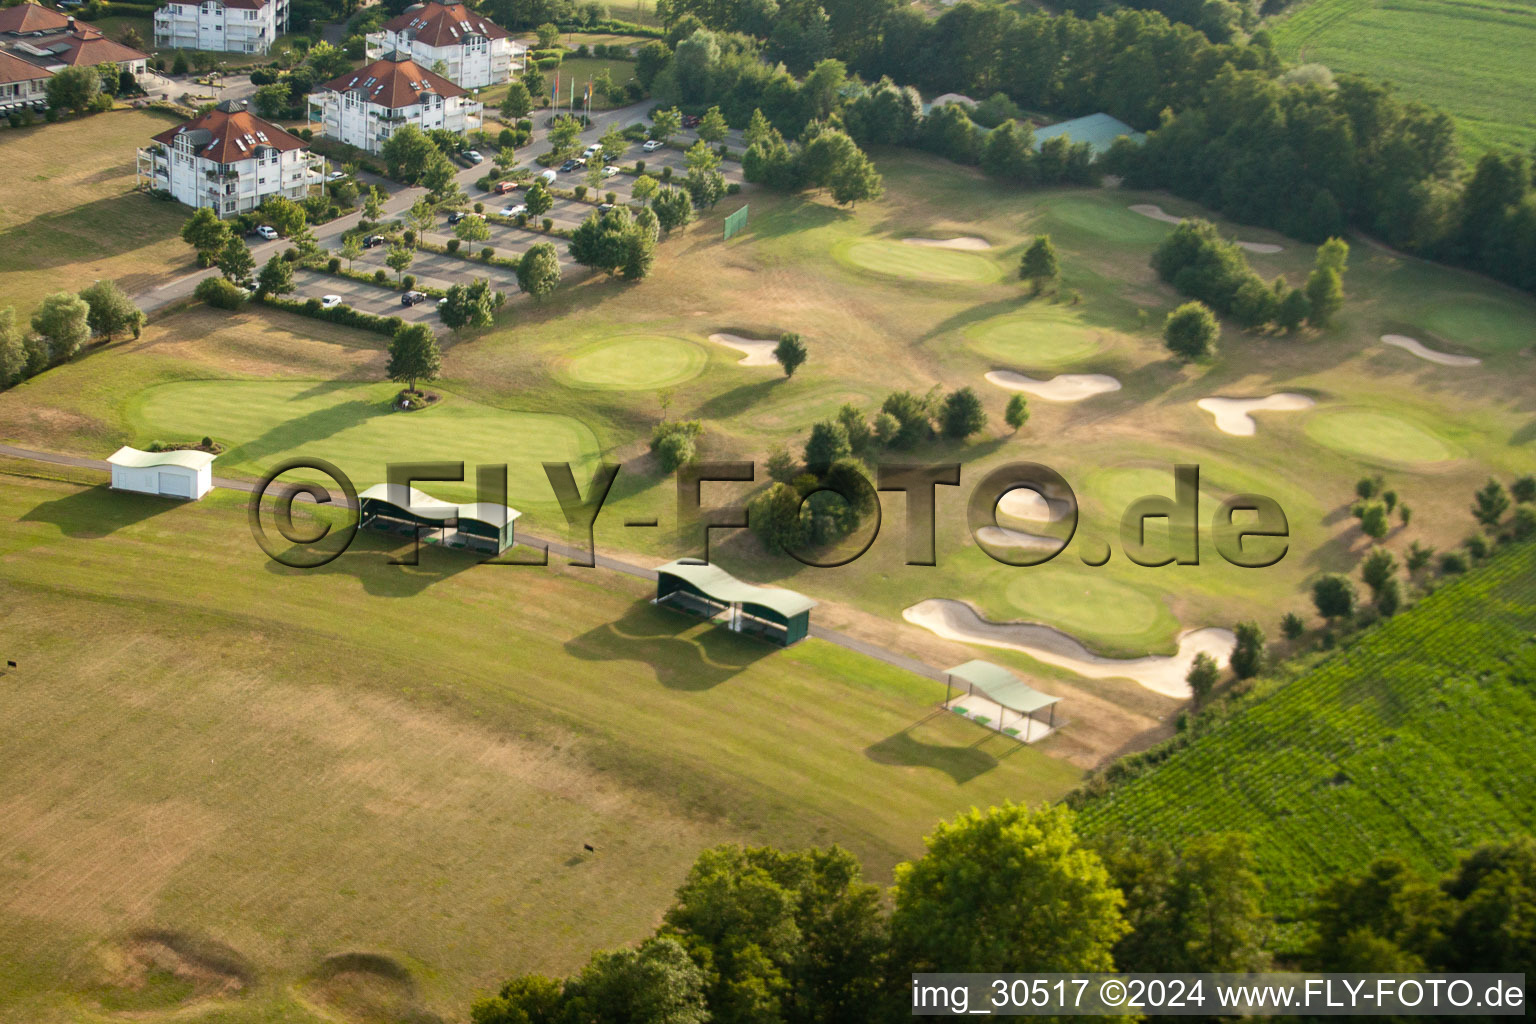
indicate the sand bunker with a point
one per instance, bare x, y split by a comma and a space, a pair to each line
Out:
1423, 351
1157, 213
964, 242
956, 620
1066, 387
1232, 414
1004, 537
1028, 503
759, 352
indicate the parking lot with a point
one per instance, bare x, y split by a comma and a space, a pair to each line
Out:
367, 298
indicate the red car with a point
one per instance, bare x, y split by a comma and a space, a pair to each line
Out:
505, 187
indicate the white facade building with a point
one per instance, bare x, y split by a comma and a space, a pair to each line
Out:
464, 47
233, 26
230, 160
173, 474
364, 108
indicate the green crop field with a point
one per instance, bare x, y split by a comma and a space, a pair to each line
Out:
1470, 58
1418, 740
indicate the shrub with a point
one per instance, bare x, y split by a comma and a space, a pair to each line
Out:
408, 282
219, 293
639, 167
453, 245
333, 264
581, 191
673, 442
487, 253
381, 276
1453, 562
549, 224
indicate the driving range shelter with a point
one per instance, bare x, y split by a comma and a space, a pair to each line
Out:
1005, 690
401, 509
779, 616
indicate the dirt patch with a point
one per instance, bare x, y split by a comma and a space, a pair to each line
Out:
158, 969
366, 987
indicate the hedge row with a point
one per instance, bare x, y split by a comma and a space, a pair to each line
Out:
405, 284
459, 252
344, 315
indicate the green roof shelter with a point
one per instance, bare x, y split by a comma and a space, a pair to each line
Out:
1004, 689
779, 616
483, 526
1098, 130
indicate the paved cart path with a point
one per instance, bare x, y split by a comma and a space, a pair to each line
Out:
876, 651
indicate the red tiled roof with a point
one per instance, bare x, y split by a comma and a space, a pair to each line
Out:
14, 69
229, 137
89, 46
32, 18
245, 5
444, 24
394, 82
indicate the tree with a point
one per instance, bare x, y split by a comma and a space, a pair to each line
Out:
274, 99
1379, 567
1202, 677
1248, 653
74, 88
518, 102
1006, 889
655, 984
13, 349
790, 353
413, 356
712, 127
283, 215
276, 277
538, 271
1292, 626
440, 178
962, 414
854, 179
913, 416
615, 242
1490, 503
408, 153
1017, 413
111, 312
665, 124
776, 519
63, 320
1523, 490
469, 305
1192, 909
548, 32
1374, 520
205, 233
1333, 255
1325, 296
1190, 332
235, 261
827, 443
564, 134
860, 436
351, 249
673, 443
1038, 264
1390, 597
1007, 152
1294, 310
614, 144
373, 203
398, 258
673, 209
1333, 596
704, 188
471, 228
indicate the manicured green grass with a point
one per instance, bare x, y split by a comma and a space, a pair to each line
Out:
1417, 741
404, 761
920, 263
1041, 336
1377, 436
353, 426
635, 362
1489, 324
1470, 58
69, 214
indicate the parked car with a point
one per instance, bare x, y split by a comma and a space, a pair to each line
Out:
330, 301
548, 177
513, 211
591, 150
373, 240
267, 231
568, 167
335, 175
691, 120
604, 207
505, 187
411, 298
652, 145
455, 216
474, 156
610, 171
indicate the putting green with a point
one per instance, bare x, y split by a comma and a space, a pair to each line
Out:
1104, 220
633, 362
1379, 436
1042, 336
1486, 324
920, 263
1086, 602
352, 426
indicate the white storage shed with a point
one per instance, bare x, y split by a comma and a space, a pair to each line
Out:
173, 474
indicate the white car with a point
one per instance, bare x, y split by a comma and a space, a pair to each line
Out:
513, 211
474, 156
267, 231
652, 146
610, 171
335, 175
330, 301
592, 149
548, 177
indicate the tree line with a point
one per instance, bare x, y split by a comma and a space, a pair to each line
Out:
61, 325
770, 936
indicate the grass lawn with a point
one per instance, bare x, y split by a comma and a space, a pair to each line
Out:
1470, 58
69, 214
400, 763
638, 362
